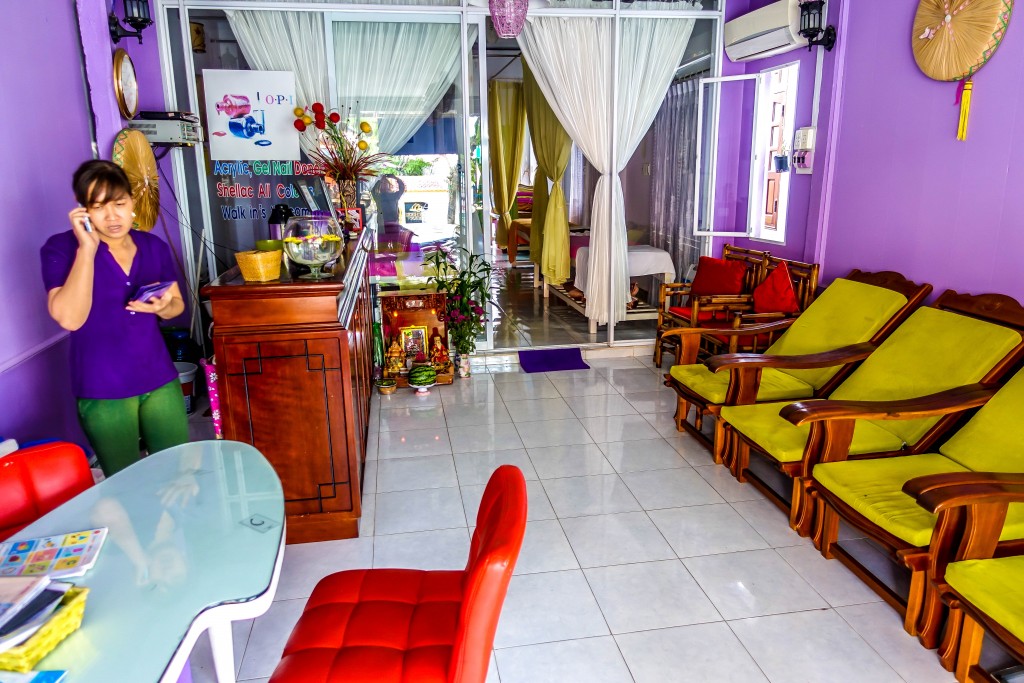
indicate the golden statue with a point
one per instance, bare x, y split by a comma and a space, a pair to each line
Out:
395, 360
439, 357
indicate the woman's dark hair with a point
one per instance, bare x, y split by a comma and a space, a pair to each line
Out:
99, 181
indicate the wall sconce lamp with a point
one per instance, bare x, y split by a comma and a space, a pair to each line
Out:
812, 14
136, 15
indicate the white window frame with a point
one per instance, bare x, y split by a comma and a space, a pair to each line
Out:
707, 194
760, 168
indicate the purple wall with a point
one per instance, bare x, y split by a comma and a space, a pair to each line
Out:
43, 144
906, 194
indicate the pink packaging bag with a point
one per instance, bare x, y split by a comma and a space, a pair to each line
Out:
211, 387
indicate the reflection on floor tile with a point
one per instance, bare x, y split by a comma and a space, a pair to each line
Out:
421, 510
594, 660
441, 549
642, 455
406, 474
576, 460
705, 652
793, 647
597, 495
668, 593
706, 530
476, 468
554, 433
543, 608
605, 540
753, 583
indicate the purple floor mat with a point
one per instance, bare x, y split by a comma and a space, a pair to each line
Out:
551, 360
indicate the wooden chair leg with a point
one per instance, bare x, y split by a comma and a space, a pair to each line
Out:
930, 617
915, 601
682, 411
971, 637
951, 640
741, 458
801, 509
698, 419
826, 530
657, 349
719, 447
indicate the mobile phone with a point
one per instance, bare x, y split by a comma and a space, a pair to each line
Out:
86, 221
147, 293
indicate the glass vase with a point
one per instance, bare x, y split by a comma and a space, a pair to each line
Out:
314, 242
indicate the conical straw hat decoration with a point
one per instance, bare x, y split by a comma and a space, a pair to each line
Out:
953, 39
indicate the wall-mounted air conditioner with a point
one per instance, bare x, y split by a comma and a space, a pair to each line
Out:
771, 30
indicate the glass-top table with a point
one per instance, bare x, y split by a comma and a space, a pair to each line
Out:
196, 537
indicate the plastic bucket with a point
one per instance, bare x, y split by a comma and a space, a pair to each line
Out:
187, 377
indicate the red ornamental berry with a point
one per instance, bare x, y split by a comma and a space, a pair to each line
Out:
320, 124
334, 117
299, 125
320, 120
317, 108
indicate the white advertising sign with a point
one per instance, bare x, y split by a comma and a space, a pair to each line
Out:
249, 114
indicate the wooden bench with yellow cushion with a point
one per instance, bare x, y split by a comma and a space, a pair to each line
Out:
863, 308
959, 340
868, 494
974, 567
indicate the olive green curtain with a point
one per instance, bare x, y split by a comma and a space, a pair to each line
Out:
507, 129
549, 230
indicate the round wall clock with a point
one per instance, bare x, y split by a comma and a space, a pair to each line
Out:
126, 88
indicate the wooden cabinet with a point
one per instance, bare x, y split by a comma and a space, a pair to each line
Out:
294, 361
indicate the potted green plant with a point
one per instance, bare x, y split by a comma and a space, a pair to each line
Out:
465, 279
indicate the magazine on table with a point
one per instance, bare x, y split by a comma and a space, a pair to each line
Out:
57, 557
25, 621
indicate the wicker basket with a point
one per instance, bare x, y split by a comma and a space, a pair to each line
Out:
64, 621
259, 266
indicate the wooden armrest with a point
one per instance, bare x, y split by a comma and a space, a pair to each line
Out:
971, 509
942, 403
825, 359
938, 492
707, 299
750, 318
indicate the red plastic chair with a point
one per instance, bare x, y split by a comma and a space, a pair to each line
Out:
35, 480
402, 625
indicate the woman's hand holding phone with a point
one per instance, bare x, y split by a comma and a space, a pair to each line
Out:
87, 237
154, 303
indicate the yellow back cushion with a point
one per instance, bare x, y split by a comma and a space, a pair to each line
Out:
932, 351
993, 441
846, 313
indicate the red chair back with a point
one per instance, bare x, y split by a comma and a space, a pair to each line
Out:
500, 525
35, 480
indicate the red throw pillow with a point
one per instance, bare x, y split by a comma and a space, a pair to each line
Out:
776, 294
718, 276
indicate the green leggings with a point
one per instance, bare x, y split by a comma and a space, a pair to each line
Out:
113, 425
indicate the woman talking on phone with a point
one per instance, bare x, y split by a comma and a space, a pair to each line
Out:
121, 371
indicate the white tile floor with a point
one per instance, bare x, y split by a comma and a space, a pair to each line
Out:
643, 561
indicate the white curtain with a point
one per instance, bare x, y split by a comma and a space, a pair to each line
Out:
396, 72
572, 60
285, 41
674, 170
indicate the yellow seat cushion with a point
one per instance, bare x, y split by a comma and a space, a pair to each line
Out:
995, 587
874, 488
785, 442
932, 351
993, 441
845, 313
775, 385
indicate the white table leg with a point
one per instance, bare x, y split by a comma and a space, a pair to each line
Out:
545, 288
536, 275
593, 325
223, 648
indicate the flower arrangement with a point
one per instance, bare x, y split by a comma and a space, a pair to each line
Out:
468, 293
342, 150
